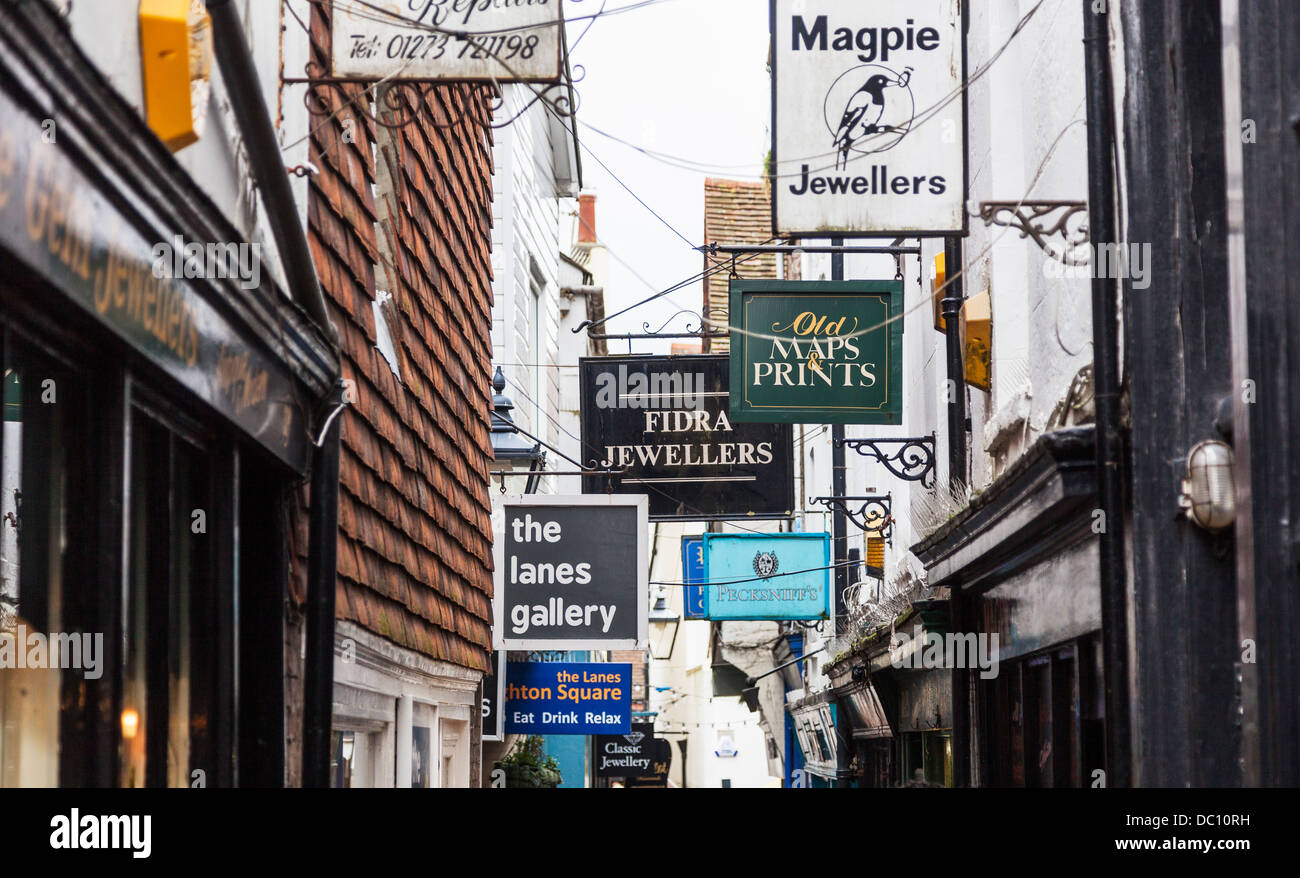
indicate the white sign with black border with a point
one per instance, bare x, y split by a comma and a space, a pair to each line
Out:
571, 573
868, 118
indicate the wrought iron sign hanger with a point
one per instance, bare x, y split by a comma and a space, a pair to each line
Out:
873, 512
912, 460
1034, 220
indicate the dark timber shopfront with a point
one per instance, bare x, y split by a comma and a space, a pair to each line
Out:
154, 429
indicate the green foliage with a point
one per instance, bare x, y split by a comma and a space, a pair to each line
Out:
527, 766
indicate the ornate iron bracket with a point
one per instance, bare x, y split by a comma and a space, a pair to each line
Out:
1034, 219
870, 513
696, 327
913, 461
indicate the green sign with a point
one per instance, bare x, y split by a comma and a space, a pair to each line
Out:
817, 352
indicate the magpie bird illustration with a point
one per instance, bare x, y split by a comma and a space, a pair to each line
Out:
862, 113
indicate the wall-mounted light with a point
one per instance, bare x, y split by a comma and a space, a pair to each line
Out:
663, 622
130, 723
1209, 496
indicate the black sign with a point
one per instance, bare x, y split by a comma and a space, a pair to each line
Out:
630, 755
571, 573
665, 422
660, 761
491, 706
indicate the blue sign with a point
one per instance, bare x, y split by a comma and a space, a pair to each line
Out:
767, 576
693, 576
568, 698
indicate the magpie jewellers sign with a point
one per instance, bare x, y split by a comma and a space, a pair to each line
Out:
665, 422
571, 573
869, 124
767, 576
505, 40
816, 352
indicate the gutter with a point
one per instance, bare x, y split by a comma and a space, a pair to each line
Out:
1106, 380
263, 150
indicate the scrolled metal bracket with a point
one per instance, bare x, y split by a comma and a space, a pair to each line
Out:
874, 512
1035, 220
912, 461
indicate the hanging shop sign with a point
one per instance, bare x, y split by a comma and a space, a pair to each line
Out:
494, 687
501, 40
767, 576
630, 755
816, 352
163, 297
664, 421
571, 573
661, 759
693, 577
568, 698
868, 118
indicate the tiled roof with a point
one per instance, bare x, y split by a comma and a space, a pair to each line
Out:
414, 545
735, 212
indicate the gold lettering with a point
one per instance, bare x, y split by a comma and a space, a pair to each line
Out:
8, 164
38, 199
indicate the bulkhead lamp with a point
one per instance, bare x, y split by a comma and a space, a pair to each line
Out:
1209, 488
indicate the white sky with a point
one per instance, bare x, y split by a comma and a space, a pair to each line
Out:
684, 77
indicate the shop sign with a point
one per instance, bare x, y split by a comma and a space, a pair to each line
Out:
494, 687
693, 576
664, 421
630, 755
501, 40
65, 228
767, 576
571, 573
816, 352
868, 118
568, 698
660, 761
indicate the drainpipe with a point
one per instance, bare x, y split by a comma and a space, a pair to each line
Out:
263, 150
1110, 444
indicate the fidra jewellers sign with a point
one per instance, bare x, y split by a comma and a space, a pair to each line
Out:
571, 573
869, 121
502, 40
664, 421
816, 352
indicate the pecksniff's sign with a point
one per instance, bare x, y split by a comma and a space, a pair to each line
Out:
693, 577
568, 698
571, 573
869, 124
664, 421
816, 352
767, 576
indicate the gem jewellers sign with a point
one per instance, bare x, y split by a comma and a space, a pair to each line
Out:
869, 123
767, 576
505, 40
816, 352
664, 421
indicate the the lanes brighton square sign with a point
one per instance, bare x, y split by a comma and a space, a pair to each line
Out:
767, 576
664, 422
568, 698
571, 573
507, 40
869, 124
816, 352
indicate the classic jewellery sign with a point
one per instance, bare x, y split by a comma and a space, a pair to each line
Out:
767, 576
664, 421
504, 40
571, 573
869, 126
630, 755
63, 226
568, 698
816, 352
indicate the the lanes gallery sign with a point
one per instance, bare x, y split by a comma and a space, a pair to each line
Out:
505, 40
664, 422
869, 125
571, 573
816, 352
